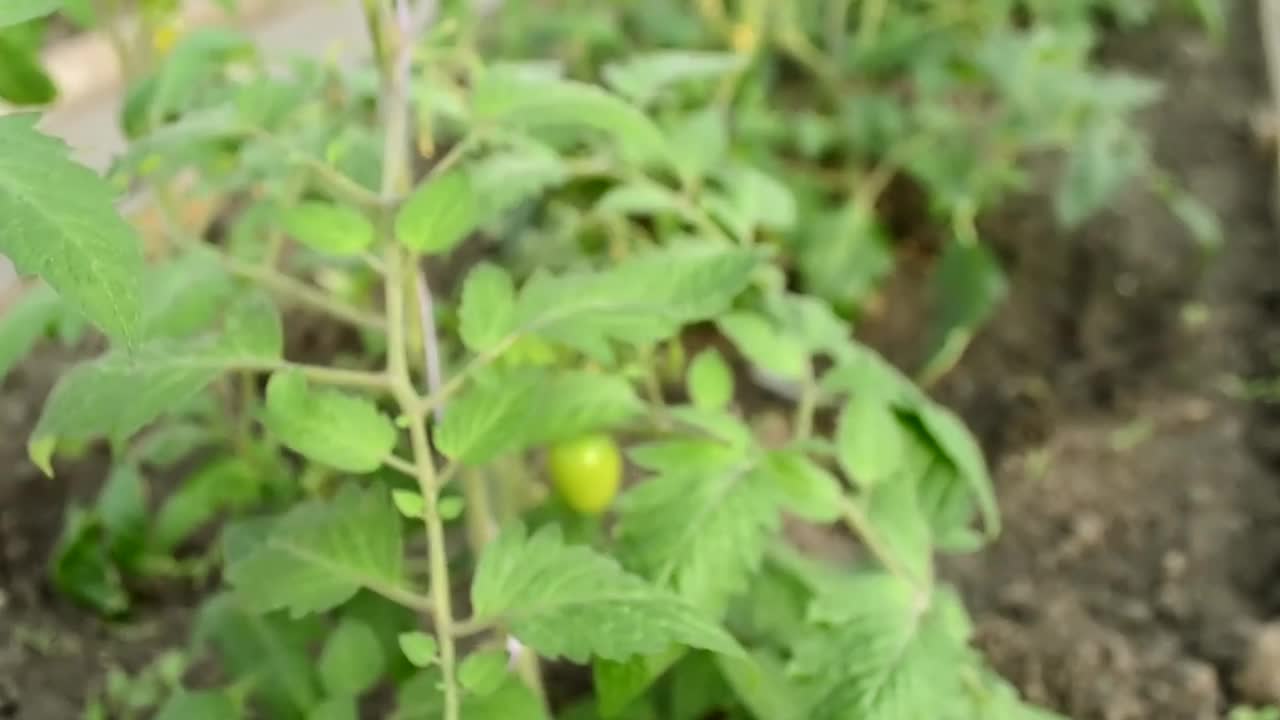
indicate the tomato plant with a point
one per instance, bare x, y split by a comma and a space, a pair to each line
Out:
519, 257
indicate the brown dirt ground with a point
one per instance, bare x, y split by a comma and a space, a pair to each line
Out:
1142, 500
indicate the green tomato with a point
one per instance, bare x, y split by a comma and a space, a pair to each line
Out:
586, 472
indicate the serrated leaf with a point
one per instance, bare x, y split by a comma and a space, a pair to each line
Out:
869, 439
352, 660
198, 705
24, 322
878, 650
639, 302
523, 100
487, 313
764, 345
483, 672
328, 227
58, 220
961, 448
328, 426
642, 78
119, 393
527, 407
710, 380
232, 483
13, 12
806, 489
699, 531
270, 652
321, 553
418, 647
438, 214
569, 601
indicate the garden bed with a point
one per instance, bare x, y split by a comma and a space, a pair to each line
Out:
1139, 476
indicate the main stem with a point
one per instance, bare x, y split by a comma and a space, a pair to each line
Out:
393, 56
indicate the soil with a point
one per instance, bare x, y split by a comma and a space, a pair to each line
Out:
1140, 487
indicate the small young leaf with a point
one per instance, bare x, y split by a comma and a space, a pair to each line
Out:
869, 440
766, 347
409, 502
806, 488
710, 380
58, 220
438, 215
329, 228
320, 554
13, 12
418, 647
328, 426
83, 570
569, 601
488, 307
483, 672
198, 705
352, 660
450, 507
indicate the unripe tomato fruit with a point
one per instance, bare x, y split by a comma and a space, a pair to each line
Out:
586, 472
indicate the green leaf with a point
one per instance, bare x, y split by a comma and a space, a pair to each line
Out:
508, 178
13, 12
877, 650
231, 483
710, 380
24, 322
961, 448
82, 568
438, 215
119, 393
619, 683
567, 601
419, 648
321, 553
268, 651
1106, 155
335, 708
410, 503
844, 256
807, 489
22, 80
641, 197
523, 100
58, 221
328, 426
699, 143
191, 64
642, 78
487, 313
483, 672
420, 698
762, 685
122, 505
700, 530
198, 705
765, 346
513, 700
754, 200
352, 660
328, 228
640, 302
968, 286
893, 511
526, 407
185, 297
869, 439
